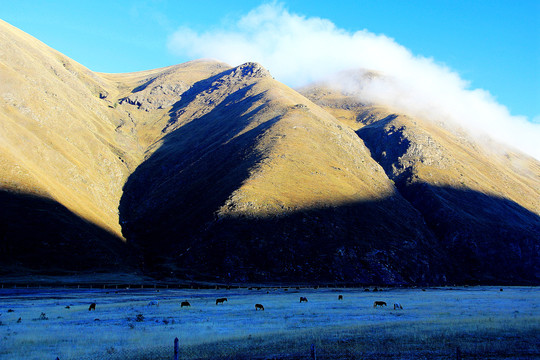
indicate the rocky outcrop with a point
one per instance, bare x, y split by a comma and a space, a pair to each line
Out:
155, 96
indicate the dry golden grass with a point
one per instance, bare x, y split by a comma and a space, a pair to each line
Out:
310, 161
442, 154
187, 145
67, 135
63, 133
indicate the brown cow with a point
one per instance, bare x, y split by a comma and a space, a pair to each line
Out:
220, 300
340, 297
92, 307
379, 303
303, 299
259, 307
185, 303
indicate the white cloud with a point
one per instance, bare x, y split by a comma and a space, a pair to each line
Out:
298, 50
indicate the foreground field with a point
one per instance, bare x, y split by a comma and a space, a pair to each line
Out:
483, 322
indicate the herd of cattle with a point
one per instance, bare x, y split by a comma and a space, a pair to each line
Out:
397, 306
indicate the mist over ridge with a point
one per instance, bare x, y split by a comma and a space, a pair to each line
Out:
299, 50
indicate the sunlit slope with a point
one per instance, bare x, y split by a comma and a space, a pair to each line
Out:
57, 137
65, 133
253, 181
481, 200
145, 98
69, 138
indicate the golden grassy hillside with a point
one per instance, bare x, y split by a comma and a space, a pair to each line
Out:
64, 134
58, 135
481, 200
206, 171
436, 153
68, 142
252, 175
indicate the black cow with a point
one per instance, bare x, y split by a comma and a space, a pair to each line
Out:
220, 300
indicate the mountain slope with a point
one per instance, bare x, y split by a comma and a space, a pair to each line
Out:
482, 205
56, 129
254, 182
204, 171
67, 146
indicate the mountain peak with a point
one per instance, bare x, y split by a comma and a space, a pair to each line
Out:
251, 70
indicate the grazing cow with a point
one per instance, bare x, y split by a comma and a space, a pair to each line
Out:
379, 303
259, 307
303, 299
92, 307
184, 303
153, 303
397, 306
220, 300
10, 310
366, 290
68, 307
340, 297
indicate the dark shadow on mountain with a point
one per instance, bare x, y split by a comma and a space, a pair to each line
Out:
208, 86
386, 146
486, 238
39, 234
190, 176
373, 242
169, 211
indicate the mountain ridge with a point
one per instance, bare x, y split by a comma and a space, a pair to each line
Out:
203, 171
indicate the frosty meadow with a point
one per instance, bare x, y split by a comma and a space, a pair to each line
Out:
483, 322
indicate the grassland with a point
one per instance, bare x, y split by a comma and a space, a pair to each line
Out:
484, 322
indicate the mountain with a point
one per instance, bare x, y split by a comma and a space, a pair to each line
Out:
251, 181
203, 171
481, 202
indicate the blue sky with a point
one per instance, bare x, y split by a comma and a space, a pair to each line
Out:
494, 45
